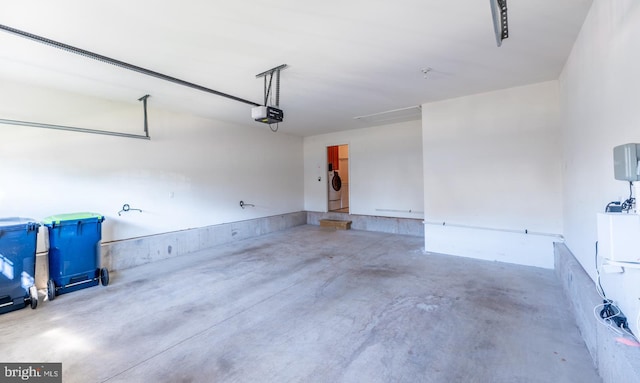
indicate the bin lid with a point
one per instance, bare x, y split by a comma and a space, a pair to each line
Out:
17, 223
59, 218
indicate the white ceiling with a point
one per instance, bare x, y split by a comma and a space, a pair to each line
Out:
346, 58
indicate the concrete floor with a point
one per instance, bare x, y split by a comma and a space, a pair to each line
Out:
309, 304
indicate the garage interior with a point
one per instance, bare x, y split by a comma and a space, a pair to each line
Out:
478, 164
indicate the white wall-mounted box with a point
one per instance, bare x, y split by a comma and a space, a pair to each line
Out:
619, 237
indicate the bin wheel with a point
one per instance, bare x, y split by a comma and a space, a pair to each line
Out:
51, 290
33, 297
104, 276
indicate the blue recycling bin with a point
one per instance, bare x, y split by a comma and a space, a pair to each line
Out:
18, 240
74, 252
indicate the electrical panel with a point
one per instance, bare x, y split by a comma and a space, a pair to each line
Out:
625, 162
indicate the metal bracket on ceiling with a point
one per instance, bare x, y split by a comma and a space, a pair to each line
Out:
267, 88
500, 20
144, 106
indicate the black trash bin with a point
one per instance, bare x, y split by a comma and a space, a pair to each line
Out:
18, 240
74, 252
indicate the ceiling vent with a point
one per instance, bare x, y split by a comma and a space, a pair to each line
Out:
411, 113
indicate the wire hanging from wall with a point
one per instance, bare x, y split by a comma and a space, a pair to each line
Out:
126, 208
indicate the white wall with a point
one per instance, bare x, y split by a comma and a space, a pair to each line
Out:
600, 95
385, 170
193, 172
492, 169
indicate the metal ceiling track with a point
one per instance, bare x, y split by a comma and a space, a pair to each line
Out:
84, 130
71, 129
500, 20
118, 63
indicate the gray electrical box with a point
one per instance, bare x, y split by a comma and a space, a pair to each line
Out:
625, 162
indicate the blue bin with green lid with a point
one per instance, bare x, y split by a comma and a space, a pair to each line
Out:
74, 252
18, 240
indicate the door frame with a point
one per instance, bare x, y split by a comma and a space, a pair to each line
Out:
326, 171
